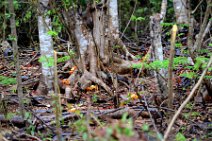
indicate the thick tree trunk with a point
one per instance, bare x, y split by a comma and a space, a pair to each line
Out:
95, 33
181, 12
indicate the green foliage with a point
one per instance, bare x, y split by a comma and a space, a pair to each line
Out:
10, 115
180, 137
134, 18
155, 5
200, 64
124, 127
63, 59
145, 127
52, 33
155, 65
67, 3
166, 24
189, 106
56, 24
67, 57
7, 80
128, 130
12, 38
31, 130
7, 15
27, 16
46, 61
178, 45
117, 47
138, 56
16, 4
94, 98
195, 114
189, 75
81, 127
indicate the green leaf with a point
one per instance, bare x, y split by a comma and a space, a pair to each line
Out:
7, 80
11, 38
17, 23
27, 115
124, 117
46, 61
180, 137
178, 45
9, 115
140, 19
145, 127
52, 33
63, 59
167, 24
133, 18
189, 75
7, 15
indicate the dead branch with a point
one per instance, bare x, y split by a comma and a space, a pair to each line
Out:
186, 101
198, 42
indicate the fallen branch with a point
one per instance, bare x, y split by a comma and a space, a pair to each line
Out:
186, 101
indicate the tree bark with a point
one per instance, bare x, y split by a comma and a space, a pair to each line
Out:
46, 46
163, 9
95, 32
155, 33
16, 56
181, 12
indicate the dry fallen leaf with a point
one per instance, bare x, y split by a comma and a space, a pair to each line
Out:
66, 82
72, 110
72, 69
134, 96
91, 88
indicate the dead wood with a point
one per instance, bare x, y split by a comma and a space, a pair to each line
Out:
15, 120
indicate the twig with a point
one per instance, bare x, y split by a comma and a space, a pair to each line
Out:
196, 7
186, 101
44, 124
134, 8
150, 115
30, 136
198, 42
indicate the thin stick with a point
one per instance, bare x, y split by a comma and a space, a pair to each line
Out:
186, 101
154, 125
170, 69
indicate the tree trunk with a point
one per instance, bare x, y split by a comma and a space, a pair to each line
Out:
16, 55
155, 33
49, 62
181, 12
46, 47
163, 9
95, 32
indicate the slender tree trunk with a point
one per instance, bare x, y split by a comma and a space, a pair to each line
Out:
49, 61
163, 9
46, 45
203, 28
155, 33
16, 55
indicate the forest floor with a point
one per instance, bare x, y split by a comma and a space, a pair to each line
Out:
141, 116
